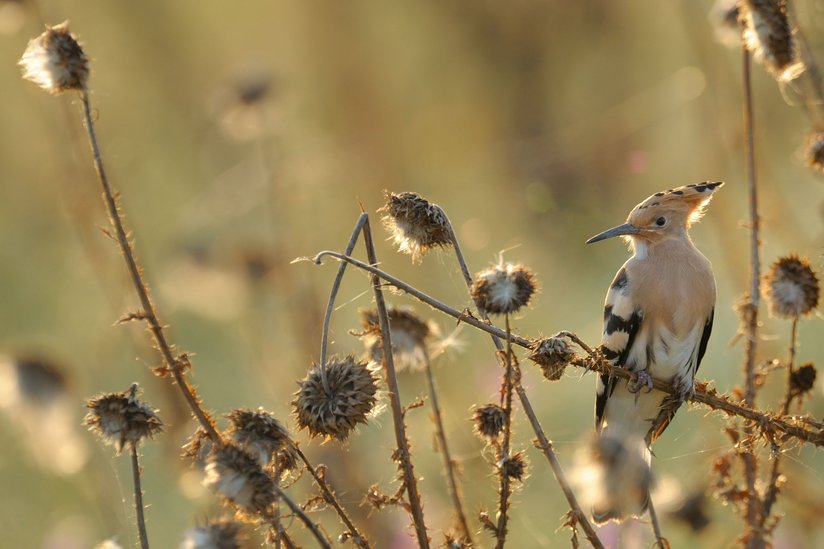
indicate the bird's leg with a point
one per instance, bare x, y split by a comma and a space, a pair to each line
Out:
642, 379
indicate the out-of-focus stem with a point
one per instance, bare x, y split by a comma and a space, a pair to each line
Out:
138, 500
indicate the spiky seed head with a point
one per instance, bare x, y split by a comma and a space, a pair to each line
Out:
409, 334
503, 289
552, 354
489, 421
55, 61
199, 446
215, 534
238, 477
416, 225
335, 410
263, 437
803, 379
791, 287
119, 418
514, 466
814, 152
769, 36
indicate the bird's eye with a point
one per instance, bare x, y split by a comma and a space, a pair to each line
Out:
661, 221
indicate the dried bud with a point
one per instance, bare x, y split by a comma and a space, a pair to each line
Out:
408, 333
199, 447
791, 287
120, 418
815, 151
769, 36
514, 466
238, 477
215, 534
503, 289
263, 437
335, 408
416, 224
552, 355
803, 379
55, 61
489, 421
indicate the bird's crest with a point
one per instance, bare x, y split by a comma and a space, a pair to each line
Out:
691, 199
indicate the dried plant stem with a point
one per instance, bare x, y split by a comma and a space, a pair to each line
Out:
311, 525
357, 538
755, 538
504, 451
394, 397
449, 464
138, 500
765, 421
155, 327
660, 541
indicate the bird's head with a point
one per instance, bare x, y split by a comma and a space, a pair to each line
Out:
667, 214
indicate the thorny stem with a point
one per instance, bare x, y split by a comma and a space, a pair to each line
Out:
766, 422
324, 342
304, 518
394, 397
155, 327
454, 491
751, 312
138, 500
772, 491
503, 457
358, 538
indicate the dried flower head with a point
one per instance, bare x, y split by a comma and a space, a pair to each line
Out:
514, 466
199, 447
552, 355
769, 36
814, 152
408, 333
791, 287
55, 61
239, 478
724, 20
503, 289
215, 534
120, 418
263, 437
802, 380
416, 224
489, 421
333, 409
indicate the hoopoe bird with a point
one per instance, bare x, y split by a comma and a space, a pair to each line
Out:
657, 321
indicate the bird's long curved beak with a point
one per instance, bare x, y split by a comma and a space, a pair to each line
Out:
620, 230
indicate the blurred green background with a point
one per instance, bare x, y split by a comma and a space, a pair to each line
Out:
535, 124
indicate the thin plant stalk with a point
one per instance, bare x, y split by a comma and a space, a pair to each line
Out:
452, 481
409, 479
503, 457
138, 500
311, 525
755, 539
702, 395
660, 541
148, 313
329, 496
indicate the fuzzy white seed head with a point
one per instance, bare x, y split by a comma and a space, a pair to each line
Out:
503, 289
55, 61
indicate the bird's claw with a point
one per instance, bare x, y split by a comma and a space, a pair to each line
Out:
642, 379
686, 391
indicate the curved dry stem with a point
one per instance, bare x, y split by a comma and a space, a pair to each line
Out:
311, 525
148, 313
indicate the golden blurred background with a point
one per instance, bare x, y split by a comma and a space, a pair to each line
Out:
245, 134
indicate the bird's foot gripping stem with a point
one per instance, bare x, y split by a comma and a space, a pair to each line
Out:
643, 379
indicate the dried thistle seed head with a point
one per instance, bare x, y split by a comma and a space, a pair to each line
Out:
199, 447
803, 379
263, 437
416, 224
335, 409
119, 418
814, 152
503, 289
769, 36
552, 355
409, 334
791, 287
489, 421
724, 20
55, 61
514, 466
237, 476
215, 534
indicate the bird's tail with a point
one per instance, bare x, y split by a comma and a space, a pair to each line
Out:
625, 477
